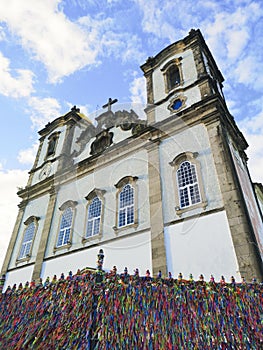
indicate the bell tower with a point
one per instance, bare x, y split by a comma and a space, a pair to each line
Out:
208, 183
179, 76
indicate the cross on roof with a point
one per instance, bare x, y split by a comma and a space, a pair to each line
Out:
109, 103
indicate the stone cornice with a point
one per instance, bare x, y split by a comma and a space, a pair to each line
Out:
192, 41
207, 111
36, 190
71, 117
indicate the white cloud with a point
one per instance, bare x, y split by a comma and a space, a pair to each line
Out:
155, 18
253, 132
121, 45
237, 40
14, 83
138, 90
2, 34
138, 95
27, 156
43, 110
61, 45
9, 181
84, 109
249, 71
228, 33
255, 155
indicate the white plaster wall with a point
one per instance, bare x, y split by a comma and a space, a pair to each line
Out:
18, 276
85, 153
188, 69
53, 167
131, 252
194, 139
192, 96
37, 207
79, 128
120, 135
104, 178
201, 245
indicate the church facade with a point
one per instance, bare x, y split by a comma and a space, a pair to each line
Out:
168, 190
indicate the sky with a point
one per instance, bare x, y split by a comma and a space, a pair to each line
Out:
58, 53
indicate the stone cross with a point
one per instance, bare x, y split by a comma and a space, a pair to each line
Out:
109, 103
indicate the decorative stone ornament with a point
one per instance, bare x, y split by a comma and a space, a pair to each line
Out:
102, 141
45, 172
177, 103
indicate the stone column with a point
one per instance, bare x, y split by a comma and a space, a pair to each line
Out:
159, 262
65, 156
13, 240
32, 171
45, 234
241, 231
150, 111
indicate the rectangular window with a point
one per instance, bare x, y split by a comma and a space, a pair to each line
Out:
94, 217
126, 206
27, 241
65, 227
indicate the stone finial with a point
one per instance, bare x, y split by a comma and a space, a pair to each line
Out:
75, 109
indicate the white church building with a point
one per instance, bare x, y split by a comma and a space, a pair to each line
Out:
167, 190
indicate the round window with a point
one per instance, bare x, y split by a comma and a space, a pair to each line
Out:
177, 104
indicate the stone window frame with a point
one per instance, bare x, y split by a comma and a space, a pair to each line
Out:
176, 163
52, 144
132, 180
180, 97
90, 197
176, 62
32, 219
68, 204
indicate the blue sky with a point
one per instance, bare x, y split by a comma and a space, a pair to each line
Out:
55, 54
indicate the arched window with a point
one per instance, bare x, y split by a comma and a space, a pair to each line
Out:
52, 144
126, 203
173, 77
189, 193
189, 189
94, 217
66, 224
126, 206
29, 234
172, 72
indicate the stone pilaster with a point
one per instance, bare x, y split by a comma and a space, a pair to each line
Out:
248, 264
199, 62
11, 246
148, 73
65, 157
149, 86
31, 173
45, 234
159, 262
